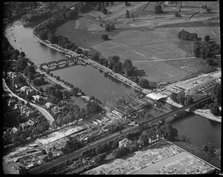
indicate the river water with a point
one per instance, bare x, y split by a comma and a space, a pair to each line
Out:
199, 130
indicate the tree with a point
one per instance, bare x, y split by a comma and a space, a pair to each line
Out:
95, 57
114, 59
22, 54
127, 64
117, 67
21, 64
105, 37
143, 139
210, 61
107, 27
158, 9
205, 148
120, 152
29, 69
49, 155
197, 48
127, 14
93, 108
208, 9
189, 100
43, 151
169, 132
144, 83
215, 110
207, 38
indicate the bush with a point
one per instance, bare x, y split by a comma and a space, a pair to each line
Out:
105, 37
177, 14
185, 35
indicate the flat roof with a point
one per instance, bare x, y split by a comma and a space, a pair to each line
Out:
156, 96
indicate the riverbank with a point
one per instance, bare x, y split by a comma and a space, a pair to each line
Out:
203, 113
98, 66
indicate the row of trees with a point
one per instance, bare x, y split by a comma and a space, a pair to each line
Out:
39, 81
126, 68
59, 18
181, 98
206, 49
35, 16
212, 104
62, 41
30, 131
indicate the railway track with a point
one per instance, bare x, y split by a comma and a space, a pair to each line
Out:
69, 157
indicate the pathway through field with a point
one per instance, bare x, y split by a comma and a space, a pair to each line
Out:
167, 59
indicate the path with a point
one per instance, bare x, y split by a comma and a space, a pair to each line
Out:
166, 59
46, 114
122, 10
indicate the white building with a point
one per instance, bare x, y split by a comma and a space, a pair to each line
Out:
48, 105
36, 97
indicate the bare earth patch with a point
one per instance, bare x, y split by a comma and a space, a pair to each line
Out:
164, 159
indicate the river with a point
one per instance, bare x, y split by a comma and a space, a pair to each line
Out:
199, 130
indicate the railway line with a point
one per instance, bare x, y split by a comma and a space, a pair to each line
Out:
69, 157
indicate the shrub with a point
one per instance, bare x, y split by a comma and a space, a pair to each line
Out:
105, 37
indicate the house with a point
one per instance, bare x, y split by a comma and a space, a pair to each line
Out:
48, 105
30, 122
36, 97
125, 143
55, 109
11, 102
14, 130
24, 88
30, 91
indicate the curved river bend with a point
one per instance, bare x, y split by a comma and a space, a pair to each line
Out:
93, 83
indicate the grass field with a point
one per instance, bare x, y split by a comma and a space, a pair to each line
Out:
163, 43
81, 36
142, 45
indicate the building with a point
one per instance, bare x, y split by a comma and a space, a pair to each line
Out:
55, 109
36, 97
48, 105
156, 96
24, 88
14, 130
125, 143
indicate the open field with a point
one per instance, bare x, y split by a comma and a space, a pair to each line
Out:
191, 66
160, 158
81, 36
138, 41
142, 46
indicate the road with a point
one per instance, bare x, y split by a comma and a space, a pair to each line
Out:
46, 114
119, 135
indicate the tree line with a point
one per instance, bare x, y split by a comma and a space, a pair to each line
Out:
206, 49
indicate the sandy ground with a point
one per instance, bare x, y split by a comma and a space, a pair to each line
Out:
163, 159
181, 163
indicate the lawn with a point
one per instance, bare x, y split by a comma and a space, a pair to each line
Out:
199, 152
82, 31
141, 45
